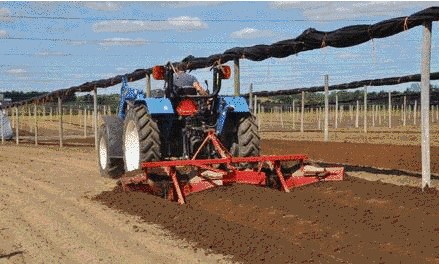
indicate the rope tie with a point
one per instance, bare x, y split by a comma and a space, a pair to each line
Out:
324, 41
406, 27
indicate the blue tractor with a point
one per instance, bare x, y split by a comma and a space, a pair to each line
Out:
174, 126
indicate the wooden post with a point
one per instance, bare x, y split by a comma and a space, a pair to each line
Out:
236, 77
250, 97
294, 115
379, 114
415, 110
318, 118
44, 111
51, 116
390, 109
36, 124
281, 117
373, 115
341, 113
13, 117
95, 116
425, 104
302, 112
85, 122
61, 139
17, 125
148, 85
70, 117
357, 114
336, 110
2, 126
255, 106
404, 114
326, 131
365, 110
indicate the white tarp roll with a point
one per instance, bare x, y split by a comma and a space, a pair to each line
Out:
6, 126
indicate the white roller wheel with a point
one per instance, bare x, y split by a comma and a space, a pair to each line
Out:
132, 147
103, 155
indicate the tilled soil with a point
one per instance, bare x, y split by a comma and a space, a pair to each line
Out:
354, 221
56, 208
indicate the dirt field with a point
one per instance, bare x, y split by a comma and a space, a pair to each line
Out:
56, 208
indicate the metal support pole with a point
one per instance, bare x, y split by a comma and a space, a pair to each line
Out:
60, 122
236, 77
302, 112
425, 105
148, 85
36, 124
365, 110
17, 136
95, 116
326, 132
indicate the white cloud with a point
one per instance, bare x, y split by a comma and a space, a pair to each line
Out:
103, 6
183, 23
3, 33
350, 10
77, 42
17, 71
5, 14
251, 33
122, 42
50, 53
184, 4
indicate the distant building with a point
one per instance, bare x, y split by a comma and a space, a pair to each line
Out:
4, 102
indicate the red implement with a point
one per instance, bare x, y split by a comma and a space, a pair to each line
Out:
207, 175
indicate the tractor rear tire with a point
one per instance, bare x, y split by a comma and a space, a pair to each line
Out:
248, 137
108, 167
141, 138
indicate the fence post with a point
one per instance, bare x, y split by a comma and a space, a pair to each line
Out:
36, 124
85, 122
415, 112
17, 136
302, 112
336, 110
365, 110
255, 106
390, 109
60, 122
425, 104
236, 77
148, 85
326, 132
2, 126
95, 115
294, 115
357, 114
404, 115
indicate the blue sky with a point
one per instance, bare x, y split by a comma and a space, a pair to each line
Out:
47, 46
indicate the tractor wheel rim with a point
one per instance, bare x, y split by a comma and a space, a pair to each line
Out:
103, 153
132, 148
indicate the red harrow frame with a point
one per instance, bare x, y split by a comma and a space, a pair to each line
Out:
209, 176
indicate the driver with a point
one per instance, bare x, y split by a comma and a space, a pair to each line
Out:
184, 80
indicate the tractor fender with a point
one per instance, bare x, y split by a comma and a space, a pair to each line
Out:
157, 106
229, 106
114, 127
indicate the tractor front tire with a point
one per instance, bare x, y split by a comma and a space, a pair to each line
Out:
141, 138
108, 167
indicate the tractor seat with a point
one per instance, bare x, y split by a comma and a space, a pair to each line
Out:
185, 90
